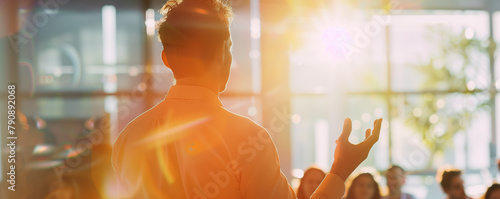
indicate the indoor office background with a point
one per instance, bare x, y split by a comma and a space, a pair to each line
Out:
299, 68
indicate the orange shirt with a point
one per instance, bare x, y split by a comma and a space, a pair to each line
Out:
189, 146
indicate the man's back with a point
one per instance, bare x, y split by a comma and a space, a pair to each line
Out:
189, 146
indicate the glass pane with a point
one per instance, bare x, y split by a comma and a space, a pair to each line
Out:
497, 122
363, 110
242, 75
434, 130
311, 132
496, 37
439, 50
58, 107
338, 55
310, 67
93, 48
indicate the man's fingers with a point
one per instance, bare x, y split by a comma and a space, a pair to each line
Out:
375, 134
376, 131
346, 131
367, 133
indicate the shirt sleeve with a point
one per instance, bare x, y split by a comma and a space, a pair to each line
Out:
261, 175
332, 187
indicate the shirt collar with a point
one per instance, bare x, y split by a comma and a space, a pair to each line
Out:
197, 93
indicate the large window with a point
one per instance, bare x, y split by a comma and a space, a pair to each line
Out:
426, 72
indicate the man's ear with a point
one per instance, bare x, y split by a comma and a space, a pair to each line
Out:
164, 58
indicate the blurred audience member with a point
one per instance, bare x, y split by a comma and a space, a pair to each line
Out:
309, 182
364, 186
453, 185
493, 192
63, 189
396, 178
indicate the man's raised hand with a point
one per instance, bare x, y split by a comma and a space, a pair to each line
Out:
348, 156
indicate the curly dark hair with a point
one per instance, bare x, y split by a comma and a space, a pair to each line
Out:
195, 26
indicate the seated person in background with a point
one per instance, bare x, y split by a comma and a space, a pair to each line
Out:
364, 186
452, 184
309, 182
493, 192
396, 178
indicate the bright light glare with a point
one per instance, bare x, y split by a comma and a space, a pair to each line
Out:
434, 118
469, 33
255, 28
150, 22
322, 143
109, 34
417, 112
298, 173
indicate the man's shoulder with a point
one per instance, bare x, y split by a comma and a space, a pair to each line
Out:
243, 122
142, 122
146, 118
245, 128
139, 122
